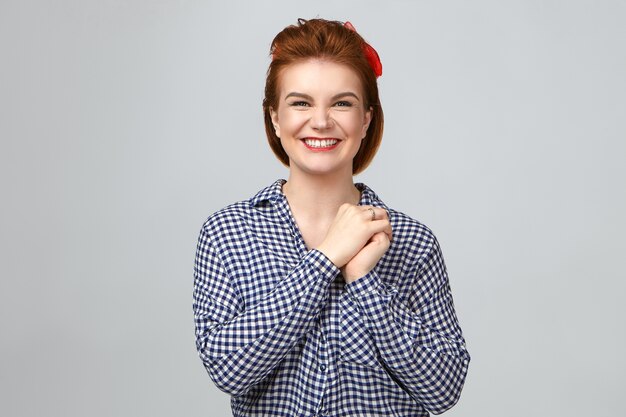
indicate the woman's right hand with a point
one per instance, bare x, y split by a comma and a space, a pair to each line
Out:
351, 230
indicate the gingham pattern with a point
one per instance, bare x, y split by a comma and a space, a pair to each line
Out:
279, 330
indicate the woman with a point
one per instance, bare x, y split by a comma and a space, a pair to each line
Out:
313, 297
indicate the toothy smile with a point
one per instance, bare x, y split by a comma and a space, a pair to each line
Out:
320, 143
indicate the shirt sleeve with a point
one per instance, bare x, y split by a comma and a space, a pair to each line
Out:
418, 336
239, 347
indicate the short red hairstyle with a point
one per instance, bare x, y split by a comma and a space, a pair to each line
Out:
330, 40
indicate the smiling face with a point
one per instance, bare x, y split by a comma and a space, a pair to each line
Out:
321, 117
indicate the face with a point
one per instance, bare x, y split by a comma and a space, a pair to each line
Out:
321, 117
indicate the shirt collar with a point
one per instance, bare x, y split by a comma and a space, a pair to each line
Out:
275, 192
271, 193
369, 197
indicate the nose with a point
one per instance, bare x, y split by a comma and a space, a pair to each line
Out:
321, 118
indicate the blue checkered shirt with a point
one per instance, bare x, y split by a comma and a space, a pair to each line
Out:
280, 331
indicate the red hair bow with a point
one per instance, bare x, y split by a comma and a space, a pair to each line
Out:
370, 54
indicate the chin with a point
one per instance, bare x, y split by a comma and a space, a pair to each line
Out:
320, 171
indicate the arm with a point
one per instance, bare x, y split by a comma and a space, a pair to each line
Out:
419, 338
241, 347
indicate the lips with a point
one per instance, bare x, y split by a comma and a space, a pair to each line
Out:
320, 143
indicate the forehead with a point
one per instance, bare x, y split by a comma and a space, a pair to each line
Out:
319, 77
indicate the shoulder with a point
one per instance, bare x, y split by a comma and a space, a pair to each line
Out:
236, 218
227, 218
413, 236
415, 249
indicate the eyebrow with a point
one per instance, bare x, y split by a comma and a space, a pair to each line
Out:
335, 97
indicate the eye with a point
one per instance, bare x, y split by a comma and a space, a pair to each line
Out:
299, 104
343, 103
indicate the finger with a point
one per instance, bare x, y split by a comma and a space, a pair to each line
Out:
368, 213
389, 232
379, 226
381, 240
379, 213
380, 237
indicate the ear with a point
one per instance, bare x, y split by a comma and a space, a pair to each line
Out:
274, 116
366, 121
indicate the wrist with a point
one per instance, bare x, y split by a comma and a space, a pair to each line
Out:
367, 284
329, 254
351, 275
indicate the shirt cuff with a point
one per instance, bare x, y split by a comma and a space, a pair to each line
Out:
367, 284
324, 265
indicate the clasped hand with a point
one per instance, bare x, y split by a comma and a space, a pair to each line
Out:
355, 241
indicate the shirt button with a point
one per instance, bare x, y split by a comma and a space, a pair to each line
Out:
323, 368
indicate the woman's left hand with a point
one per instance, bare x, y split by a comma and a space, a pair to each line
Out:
367, 258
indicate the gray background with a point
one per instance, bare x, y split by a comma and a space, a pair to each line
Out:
124, 124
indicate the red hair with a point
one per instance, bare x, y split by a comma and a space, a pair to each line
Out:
330, 40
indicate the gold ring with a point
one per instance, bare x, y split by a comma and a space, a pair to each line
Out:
373, 213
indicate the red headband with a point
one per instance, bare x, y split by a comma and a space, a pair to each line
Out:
370, 54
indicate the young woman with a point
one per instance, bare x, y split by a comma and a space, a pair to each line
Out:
313, 297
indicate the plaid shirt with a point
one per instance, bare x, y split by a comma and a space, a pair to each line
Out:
279, 329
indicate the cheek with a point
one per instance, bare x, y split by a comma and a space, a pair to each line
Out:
284, 119
356, 126
292, 122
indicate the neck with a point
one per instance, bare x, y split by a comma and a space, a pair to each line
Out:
320, 195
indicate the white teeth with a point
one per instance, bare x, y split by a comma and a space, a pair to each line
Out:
324, 143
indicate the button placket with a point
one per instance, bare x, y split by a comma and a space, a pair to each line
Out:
322, 355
